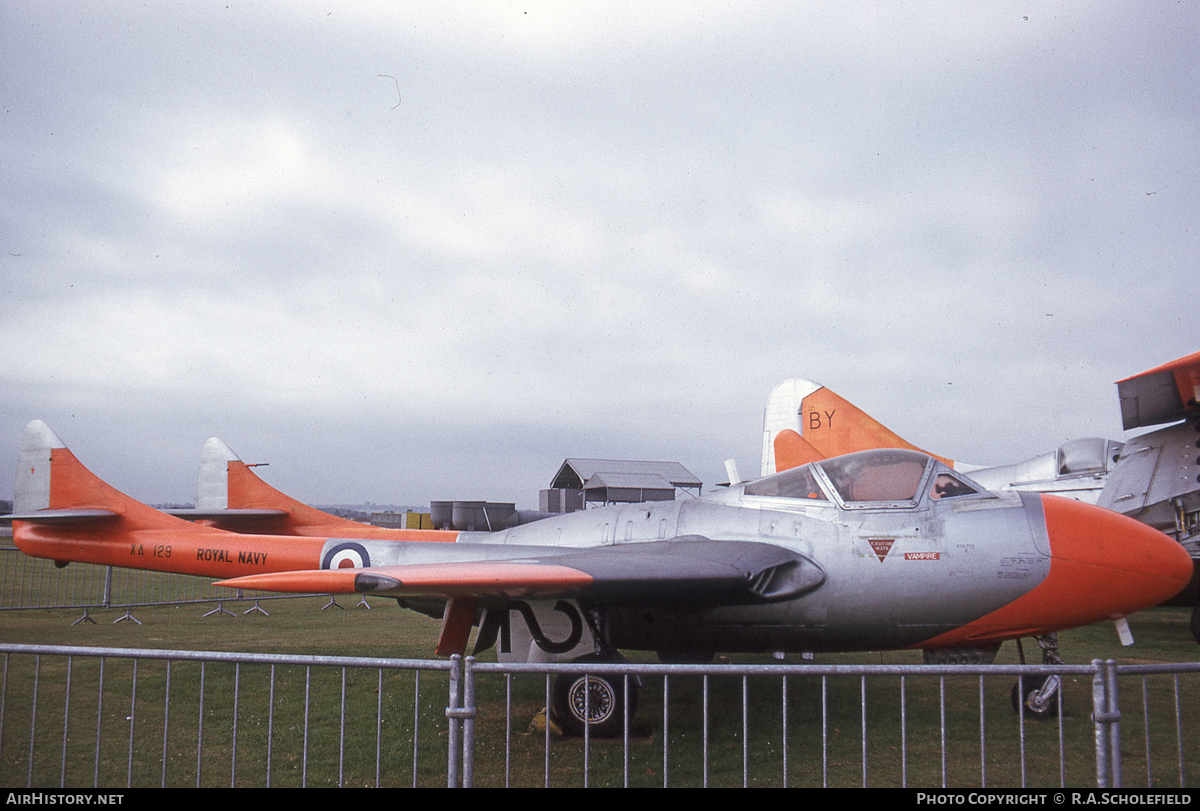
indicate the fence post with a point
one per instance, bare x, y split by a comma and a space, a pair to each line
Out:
1106, 714
453, 766
468, 711
1114, 723
461, 714
1098, 709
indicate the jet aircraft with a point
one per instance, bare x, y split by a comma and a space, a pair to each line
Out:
1152, 477
866, 551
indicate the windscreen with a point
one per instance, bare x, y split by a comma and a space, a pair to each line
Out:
799, 482
880, 475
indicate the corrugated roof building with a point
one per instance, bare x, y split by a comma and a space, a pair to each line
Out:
606, 481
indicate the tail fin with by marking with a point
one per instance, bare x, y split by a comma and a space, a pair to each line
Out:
829, 424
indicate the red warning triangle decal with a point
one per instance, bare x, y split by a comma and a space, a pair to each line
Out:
881, 546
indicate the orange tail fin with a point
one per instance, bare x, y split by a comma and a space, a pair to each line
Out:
53, 486
830, 424
63, 511
228, 483
66, 513
835, 426
793, 450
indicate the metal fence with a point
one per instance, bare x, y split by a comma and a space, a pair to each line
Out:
74, 716
27, 583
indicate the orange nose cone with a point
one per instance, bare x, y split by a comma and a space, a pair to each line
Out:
1105, 565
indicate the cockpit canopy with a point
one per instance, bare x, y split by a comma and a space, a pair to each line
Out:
876, 477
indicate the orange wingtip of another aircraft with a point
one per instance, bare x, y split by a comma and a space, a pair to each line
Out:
1187, 365
1160, 395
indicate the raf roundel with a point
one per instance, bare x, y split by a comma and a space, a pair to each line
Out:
347, 555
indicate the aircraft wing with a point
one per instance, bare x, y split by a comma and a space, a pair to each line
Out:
691, 570
1163, 394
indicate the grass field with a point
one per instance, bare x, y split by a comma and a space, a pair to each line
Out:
818, 747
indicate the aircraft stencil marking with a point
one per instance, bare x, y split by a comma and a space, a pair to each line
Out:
922, 555
881, 546
214, 555
496, 623
814, 419
1015, 568
544, 642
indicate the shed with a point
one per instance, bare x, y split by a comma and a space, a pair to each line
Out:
607, 481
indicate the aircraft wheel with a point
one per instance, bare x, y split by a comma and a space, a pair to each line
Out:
1048, 708
602, 695
1196, 624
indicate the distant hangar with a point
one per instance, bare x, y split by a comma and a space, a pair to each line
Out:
580, 482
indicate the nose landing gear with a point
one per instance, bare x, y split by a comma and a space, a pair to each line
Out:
1041, 695
1038, 696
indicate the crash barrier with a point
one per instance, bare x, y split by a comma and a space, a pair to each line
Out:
27, 582
74, 716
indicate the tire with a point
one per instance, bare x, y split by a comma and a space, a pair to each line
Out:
1032, 684
604, 698
1196, 624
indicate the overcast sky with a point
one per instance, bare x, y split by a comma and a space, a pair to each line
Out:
409, 251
